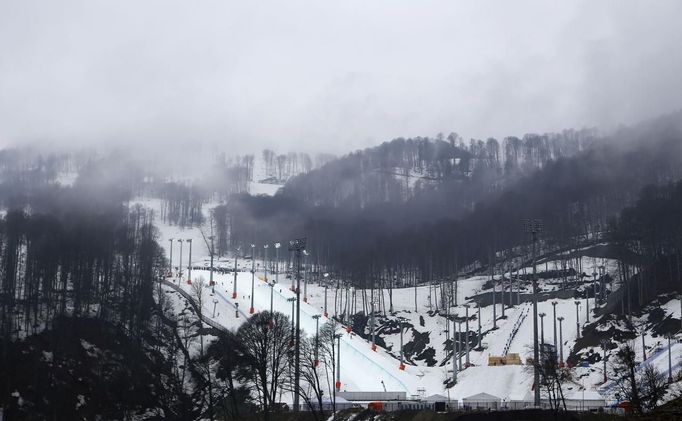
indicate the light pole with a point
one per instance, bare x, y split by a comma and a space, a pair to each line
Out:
305, 276
234, 291
374, 345
277, 246
338, 361
670, 361
459, 343
326, 284
180, 267
604, 343
542, 328
265, 262
170, 260
189, 264
577, 319
466, 335
534, 226
402, 355
478, 316
317, 339
511, 286
454, 350
212, 253
502, 288
292, 300
272, 288
554, 303
215, 302
561, 342
587, 305
492, 279
253, 275
298, 246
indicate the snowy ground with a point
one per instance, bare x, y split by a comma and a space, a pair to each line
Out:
364, 369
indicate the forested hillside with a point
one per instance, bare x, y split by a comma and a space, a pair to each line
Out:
433, 234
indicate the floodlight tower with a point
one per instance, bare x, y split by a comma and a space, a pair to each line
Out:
189, 264
265, 261
317, 339
372, 326
338, 362
554, 303
402, 356
180, 266
170, 259
253, 275
577, 318
534, 227
277, 246
466, 335
326, 285
454, 349
298, 246
561, 341
234, 291
305, 276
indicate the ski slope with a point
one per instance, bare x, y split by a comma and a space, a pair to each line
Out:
361, 368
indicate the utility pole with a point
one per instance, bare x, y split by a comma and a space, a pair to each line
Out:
604, 343
210, 280
577, 319
534, 226
338, 362
253, 276
277, 246
298, 246
670, 361
502, 288
265, 262
180, 267
317, 339
587, 305
554, 303
305, 276
372, 328
466, 335
561, 342
189, 264
454, 350
459, 343
478, 316
170, 260
402, 355
292, 300
234, 291
326, 285
492, 279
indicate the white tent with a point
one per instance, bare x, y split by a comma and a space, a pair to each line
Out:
482, 401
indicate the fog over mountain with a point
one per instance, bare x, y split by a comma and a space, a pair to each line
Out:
328, 76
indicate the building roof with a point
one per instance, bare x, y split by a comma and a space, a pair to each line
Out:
482, 397
436, 398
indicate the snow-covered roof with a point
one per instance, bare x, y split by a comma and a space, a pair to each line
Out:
482, 397
436, 398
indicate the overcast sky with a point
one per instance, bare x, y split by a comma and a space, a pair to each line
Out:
328, 75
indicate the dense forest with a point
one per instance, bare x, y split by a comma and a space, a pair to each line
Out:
425, 238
